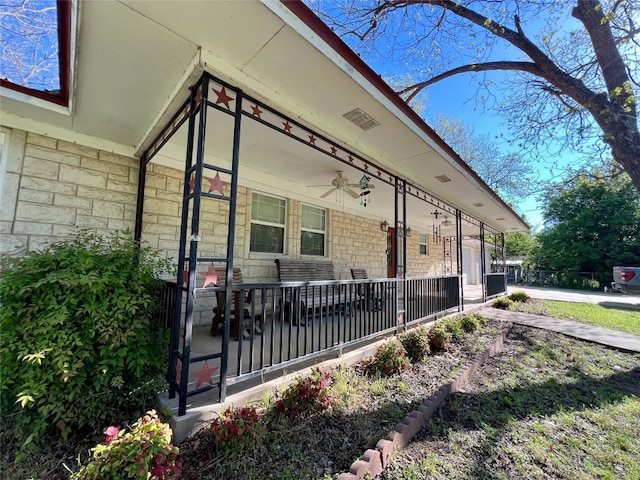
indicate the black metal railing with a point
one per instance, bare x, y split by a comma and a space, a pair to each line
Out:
281, 325
429, 296
495, 284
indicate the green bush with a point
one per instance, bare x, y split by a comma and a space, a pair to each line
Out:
143, 453
452, 325
78, 345
439, 337
503, 303
415, 343
391, 358
519, 296
470, 322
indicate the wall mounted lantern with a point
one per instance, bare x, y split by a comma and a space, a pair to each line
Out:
384, 226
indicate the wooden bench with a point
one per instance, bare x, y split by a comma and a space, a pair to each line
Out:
308, 298
371, 300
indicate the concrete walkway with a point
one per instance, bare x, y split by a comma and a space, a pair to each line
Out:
604, 336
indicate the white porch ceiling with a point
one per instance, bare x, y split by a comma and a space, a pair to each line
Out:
137, 58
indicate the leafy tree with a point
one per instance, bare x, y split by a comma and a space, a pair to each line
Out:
574, 65
592, 225
519, 244
507, 174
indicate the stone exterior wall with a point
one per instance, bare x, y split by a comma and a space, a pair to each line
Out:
52, 188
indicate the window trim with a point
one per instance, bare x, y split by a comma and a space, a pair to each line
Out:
269, 224
67, 20
4, 158
312, 230
425, 243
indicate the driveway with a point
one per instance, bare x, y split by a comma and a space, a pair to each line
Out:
584, 296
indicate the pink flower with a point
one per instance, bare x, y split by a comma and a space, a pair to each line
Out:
112, 432
158, 471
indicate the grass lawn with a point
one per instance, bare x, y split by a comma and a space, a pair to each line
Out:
548, 407
616, 318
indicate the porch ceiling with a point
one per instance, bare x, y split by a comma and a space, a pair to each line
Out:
137, 58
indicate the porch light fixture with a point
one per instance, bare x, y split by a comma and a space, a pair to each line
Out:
408, 232
384, 226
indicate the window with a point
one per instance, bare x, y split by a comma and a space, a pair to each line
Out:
312, 232
38, 62
268, 216
424, 245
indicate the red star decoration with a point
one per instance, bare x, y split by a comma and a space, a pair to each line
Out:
350, 159
192, 184
366, 167
390, 178
256, 111
205, 374
312, 139
216, 185
287, 126
223, 97
198, 96
334, 150
178, 371
379, 173
210, 276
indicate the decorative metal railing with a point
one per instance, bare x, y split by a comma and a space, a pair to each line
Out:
281, 325
495, 284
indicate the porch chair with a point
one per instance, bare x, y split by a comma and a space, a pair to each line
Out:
218, 310
370, 300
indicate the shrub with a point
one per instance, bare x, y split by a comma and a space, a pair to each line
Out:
503, 303
142, 453
78, 345
519, 296
470, 323
306, 395
453, 326
415, 343
391, 358
237, 428
439, 337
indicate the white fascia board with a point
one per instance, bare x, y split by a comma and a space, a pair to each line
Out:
299, 26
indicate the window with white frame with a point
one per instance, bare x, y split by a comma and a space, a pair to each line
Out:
424, 245
312, 231
268, 216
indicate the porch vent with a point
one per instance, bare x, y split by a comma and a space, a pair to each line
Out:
443, 178
361, 119
478, 204
499, 219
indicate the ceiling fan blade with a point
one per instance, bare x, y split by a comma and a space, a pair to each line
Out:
327, 193
352, 193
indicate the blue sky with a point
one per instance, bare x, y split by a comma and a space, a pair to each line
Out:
453, 96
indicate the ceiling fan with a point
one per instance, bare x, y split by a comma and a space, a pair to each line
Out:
341, 183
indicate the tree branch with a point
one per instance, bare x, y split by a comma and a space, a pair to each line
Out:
472, 67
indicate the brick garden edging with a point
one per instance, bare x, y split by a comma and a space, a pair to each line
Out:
374, 461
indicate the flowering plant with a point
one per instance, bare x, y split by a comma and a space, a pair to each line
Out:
391, 358
237, 428
142, 453
439, 337
415, 343
308, 394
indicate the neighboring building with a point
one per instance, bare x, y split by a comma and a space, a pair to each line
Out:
298, 129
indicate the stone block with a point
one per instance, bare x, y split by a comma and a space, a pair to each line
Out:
119, 224
77, 149
17, 144
56, 156
106, 195
37, 167
32, 228
108, 209
118, 159
72, 201
83, 176
120, 186
30, 212
89, 221
41, 140
162, 207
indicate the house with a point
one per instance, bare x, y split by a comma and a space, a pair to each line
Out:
233, 134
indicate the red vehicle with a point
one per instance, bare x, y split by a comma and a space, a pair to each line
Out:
626, 280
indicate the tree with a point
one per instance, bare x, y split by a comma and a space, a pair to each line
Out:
507, 174
593, 223
577, 79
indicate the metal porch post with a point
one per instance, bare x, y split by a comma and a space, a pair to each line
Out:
459, 257
482, 267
